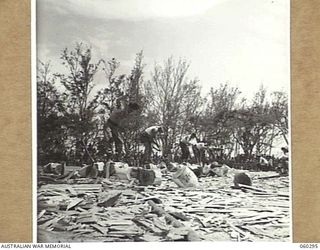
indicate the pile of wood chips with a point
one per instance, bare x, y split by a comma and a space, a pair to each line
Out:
109, 210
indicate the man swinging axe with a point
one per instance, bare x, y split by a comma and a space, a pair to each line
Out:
115, 122
149, 138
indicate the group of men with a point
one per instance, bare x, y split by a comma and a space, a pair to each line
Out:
192, 150
148, 137
189, 145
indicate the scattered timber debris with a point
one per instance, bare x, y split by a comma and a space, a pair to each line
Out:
92, 208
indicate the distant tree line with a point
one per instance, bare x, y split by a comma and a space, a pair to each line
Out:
72, 109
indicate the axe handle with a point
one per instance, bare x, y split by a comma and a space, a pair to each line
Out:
85, 148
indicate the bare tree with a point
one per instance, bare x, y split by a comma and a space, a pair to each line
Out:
134, 94
215, 119
172, 98
279, 111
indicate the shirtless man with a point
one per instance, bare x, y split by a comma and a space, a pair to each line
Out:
115, 122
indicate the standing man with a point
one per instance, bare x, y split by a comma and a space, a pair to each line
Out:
184, 145
115, 123
283, 166
149, 139
198, 148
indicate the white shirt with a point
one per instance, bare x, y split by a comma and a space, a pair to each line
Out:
193, 141
185, 140
263, 161
99, 165
152, 128
200, 145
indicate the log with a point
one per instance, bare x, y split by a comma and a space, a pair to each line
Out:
68, 175
53, 168
252, 188
192, 235
90, 171
268, 177
46, 179
263, 191
147, 224
245, 235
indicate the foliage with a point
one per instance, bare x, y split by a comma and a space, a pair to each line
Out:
173, 99
72, 109
50, 109
80, 108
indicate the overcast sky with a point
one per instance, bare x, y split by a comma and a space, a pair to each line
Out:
241, 42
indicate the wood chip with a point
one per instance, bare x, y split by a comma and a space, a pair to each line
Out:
74, 202
41, 214
100, 229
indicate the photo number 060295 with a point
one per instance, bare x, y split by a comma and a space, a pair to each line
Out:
163, 120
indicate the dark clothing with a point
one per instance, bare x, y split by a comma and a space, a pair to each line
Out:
114, 122
199, 154
185, 153
115, 132
148, 141
145, 137
118, 115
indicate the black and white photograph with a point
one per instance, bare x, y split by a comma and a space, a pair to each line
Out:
163, 121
